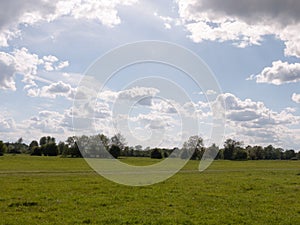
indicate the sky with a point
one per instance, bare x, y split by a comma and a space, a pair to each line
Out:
251, 47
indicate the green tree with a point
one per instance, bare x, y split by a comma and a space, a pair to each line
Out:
61, 147
3, 148
37, 151
104, 140
115, 151
156, 154
229, 147
118, 140
32, 146
43, 141
48, 146
240, 154
290, 154
72, 149
194, 147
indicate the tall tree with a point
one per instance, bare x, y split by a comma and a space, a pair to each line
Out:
34, 144
229, 147
193, 147
118, 140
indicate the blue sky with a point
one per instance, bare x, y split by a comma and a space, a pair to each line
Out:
252, 48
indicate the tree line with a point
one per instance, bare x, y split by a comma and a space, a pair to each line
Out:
98, 146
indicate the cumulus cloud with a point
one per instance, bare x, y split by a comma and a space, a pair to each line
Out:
141, 94
255, 123
296, 98
47, 122
154, 121
7, 124
244, 23
56, 89
14, 13
21, 61
257, 10
279, 73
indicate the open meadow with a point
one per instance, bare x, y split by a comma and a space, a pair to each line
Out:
53, 190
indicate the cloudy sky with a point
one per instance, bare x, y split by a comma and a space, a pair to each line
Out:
252, 47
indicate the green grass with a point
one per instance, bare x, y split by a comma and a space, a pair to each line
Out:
44, 190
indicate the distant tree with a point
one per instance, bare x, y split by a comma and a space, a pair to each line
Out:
37, 151
290, 154
115, 151
72, 148
138, 148
61, 146
104, 140
270, 153
258, 152
19, 147
229, 147
50, 149
156, 154
32, 146
193, 147
213, 151
240, 154
3, 148
118, 140
43, 141
48, 146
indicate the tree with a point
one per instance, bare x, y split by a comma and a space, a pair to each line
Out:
3, 148
229, 147
115, 151
19, 147
118, 140
194, 147
270, 153
156, 154
214, 152
50, 149
48, 146
61, 147
43, 141
37, 151
32, 146
72, 147
290, 154
240, 154
104, 140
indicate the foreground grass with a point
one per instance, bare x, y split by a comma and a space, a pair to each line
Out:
42, 190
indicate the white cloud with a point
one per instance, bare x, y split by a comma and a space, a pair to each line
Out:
279, 73
52, 63
13, 13
21, 61
245, 23
164, 106
208, 92
47, 122
254, 123
7, 124
56, 89
296, 98
137, 93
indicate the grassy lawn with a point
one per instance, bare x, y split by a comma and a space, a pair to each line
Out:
45, 190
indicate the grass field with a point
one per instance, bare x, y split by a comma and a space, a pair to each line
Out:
44, 190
